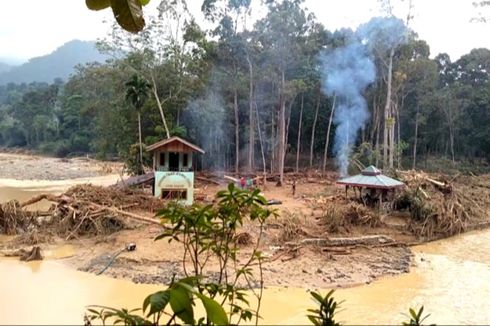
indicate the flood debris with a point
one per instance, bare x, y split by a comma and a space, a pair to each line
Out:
83, 210
26, 255
437, 207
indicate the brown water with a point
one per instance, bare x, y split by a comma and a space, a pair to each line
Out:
451, 279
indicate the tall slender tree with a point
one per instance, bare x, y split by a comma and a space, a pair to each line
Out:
137, 93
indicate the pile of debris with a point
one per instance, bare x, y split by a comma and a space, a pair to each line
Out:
338, 213
439, 206
84, 210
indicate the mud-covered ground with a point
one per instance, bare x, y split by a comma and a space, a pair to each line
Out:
157, 262
31, 167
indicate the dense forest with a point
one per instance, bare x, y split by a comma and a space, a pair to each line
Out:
281, 93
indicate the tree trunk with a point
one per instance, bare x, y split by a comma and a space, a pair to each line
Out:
414, 162
141, 143
387, 113
251, 135
273, 140
399, 127
264, 166
282, 131
290, 108
159, 104
298, 143
327, 141
312, 145
392, 150
377, 135
449, 117
237, 130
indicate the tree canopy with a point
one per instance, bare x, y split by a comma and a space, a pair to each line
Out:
254, 96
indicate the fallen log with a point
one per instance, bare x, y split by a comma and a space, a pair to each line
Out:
207, 180
442, 186
337, 251
48, 197
369, 240
100, 208
128, 214
231, 178
135, 180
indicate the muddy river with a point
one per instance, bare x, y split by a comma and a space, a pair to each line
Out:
451, 278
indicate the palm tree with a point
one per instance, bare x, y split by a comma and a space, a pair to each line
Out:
137, 93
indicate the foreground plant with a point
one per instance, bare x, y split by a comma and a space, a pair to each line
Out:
207, 234
416, 318
325, 314
175, 304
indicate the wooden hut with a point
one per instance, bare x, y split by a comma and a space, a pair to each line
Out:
173, 165
374, 187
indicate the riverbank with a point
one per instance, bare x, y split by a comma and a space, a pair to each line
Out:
33, 167
307, 266
449, 277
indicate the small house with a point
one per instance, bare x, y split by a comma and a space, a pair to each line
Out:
374, 187
174, 169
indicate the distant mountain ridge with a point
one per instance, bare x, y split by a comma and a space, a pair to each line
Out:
58, 64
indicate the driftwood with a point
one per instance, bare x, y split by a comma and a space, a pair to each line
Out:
99, 208
204, 179
83, 210
135, 180
227, 177
26, 255
369, 240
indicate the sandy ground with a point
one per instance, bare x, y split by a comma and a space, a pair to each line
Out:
30, 167
158, 262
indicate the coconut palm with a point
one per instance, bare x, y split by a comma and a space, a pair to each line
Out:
137, 93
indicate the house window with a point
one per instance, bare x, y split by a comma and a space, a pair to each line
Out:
162, 159
185, 160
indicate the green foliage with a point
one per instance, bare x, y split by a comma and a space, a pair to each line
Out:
206, 232
57, 148
212, 82
210, 232
416, 318
175, 303
132, 161
324, 315
128, 13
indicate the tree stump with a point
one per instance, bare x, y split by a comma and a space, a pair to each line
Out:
34, 254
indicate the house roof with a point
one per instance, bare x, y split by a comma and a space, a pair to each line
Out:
172, 141
371, 177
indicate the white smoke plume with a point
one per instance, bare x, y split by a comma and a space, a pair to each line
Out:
347, 71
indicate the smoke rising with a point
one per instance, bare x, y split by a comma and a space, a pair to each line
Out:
347, 71
206, 117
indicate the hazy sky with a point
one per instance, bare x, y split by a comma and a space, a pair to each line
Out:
30, 28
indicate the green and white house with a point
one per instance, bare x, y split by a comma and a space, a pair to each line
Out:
174, 172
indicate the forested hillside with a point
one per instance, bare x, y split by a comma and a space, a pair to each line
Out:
284, 92
59, 64
4, 67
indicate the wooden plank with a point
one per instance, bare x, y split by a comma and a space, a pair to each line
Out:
136, 180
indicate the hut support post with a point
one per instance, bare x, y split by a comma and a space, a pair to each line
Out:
380, 200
